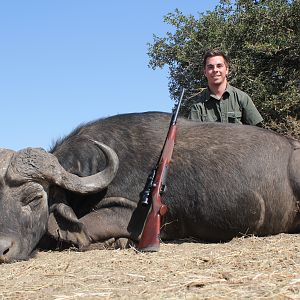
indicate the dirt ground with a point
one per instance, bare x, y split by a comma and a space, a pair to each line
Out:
245, 268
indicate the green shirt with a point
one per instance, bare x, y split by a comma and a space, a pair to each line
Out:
235, 106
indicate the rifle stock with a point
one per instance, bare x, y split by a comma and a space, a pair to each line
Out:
150, 238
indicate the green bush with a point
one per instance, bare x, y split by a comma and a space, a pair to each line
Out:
262, 41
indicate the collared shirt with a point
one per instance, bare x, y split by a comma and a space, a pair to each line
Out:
235, 106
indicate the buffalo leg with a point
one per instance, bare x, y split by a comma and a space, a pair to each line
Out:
110, 221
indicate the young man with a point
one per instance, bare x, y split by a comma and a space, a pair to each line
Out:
221, 102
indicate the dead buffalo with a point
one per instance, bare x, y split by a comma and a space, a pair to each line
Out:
224, 181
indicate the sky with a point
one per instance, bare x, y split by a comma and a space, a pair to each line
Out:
67, 62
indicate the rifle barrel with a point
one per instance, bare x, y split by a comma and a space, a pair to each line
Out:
177, 107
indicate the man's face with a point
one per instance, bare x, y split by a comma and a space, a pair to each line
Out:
216, 70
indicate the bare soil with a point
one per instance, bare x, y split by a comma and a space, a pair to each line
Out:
245, 268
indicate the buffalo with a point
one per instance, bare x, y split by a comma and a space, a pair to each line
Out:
225, 180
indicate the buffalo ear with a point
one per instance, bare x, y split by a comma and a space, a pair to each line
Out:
65, 228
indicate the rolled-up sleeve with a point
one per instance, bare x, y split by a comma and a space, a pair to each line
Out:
251, 115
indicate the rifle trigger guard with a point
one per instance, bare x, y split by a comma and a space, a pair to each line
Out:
163, 189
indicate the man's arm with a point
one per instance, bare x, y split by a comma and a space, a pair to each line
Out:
250, 114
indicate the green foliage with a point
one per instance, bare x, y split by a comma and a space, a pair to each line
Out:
262, 40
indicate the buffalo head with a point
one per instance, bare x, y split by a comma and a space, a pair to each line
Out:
25, 179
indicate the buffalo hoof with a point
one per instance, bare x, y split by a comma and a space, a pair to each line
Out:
112, 244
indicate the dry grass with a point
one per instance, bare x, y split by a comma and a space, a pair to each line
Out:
245, 268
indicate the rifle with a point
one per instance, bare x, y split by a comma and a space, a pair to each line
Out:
155, 187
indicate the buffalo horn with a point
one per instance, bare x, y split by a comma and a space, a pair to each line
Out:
5, 157
37, 164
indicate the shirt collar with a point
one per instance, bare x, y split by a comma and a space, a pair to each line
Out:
210, 95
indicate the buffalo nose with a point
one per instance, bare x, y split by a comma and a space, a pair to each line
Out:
6, 244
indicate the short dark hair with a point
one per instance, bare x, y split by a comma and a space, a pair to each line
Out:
215, 52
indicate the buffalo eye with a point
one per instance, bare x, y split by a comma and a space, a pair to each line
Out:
32, 195
32, 200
